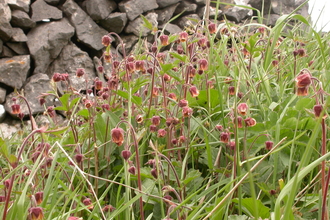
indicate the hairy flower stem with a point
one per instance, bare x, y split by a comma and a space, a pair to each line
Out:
324, 183
12, 179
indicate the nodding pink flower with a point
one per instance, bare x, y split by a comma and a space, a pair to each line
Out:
172, 96
115, 64
166, 77
179, 49
219, 127
183, 36
117, 136
232, 145
183, 103
98, 84
154, 173
301, 52
126, 154
304, 79
155, 120
57, 77
202, 42
153, 128
212, 28
182, 139
155, 92
239, 122
130, 67
164, 40
194, 92
36, 213
161, 133
50, 111
105, 107
269, 145
108, 208
106, 40
140, 65
16, 109
203, 64
250, 122
139, 119
275, 62
88, 103
79, 158
39, 197
318, 110
88, 202
187, 111
242, 108
107, 57
132, 170
105, 95
224, 137
80, 72
231, 90
100, 69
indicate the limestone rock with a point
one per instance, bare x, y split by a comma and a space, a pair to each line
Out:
99, 9
14, 70
35, 85
187, 20
133, 8
1, 45
7, 52
18, 35
23, 5
171, 29
2, 113
18, 47
129, 42
3, 93
86, 29
21, 19
9, 128
165, 14
115, 22
5, 27
46, 41
237, 14
213, 12
186, 7
165, 3
41, 10
137, 26
70, 59
52, 2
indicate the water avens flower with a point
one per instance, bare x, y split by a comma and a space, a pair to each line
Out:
117, 136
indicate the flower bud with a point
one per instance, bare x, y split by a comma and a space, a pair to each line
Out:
88, 202
80, 72
132, 170
154, 173
183, 103
79, 158
126, 154
318, 110
269, 145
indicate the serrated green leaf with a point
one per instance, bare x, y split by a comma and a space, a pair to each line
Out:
147, 23
3, 148
135, 99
